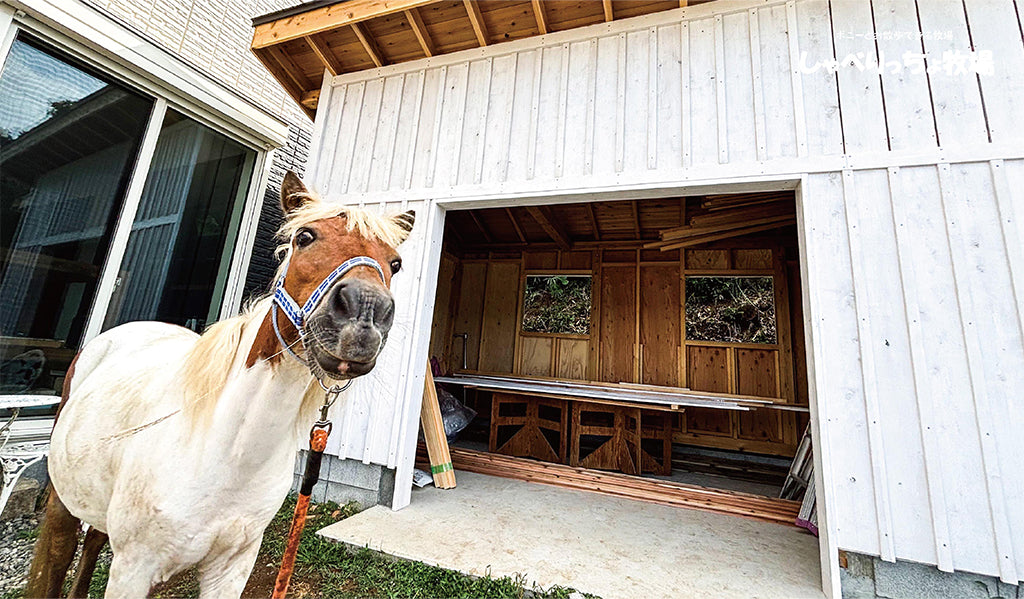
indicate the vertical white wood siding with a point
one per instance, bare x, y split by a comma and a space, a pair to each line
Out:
910, 210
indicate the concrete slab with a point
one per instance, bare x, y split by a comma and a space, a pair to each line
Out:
603, 545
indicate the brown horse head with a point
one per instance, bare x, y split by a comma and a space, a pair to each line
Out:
348, 327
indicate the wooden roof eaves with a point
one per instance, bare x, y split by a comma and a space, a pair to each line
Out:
327, 17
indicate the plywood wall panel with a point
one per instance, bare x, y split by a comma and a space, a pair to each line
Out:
501, 302
660, 333
707, 369
618, 323
469, 314
571, 362
535, 354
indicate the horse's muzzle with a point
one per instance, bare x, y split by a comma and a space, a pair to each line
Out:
351, 326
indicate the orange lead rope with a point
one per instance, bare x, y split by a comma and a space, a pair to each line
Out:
317, 444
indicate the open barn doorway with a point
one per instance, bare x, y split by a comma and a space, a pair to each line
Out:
651, 348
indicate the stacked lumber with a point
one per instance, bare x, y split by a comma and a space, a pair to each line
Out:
433, 431
766, 509
724, 217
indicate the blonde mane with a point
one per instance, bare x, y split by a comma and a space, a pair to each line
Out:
207, 366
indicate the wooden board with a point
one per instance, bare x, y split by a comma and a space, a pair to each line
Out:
707, 369
571, 360
440, 327
660, 335
618, 323
498, 330
707, 259
469, 313
535, 355
651, 490
756, 374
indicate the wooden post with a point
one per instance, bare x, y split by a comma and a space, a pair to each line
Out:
433, 431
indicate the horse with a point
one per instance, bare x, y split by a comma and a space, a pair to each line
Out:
178, 448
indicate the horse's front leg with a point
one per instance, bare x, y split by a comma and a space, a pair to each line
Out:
133, 572
224, 576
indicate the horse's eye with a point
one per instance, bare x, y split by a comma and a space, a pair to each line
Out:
396, 265
304, 237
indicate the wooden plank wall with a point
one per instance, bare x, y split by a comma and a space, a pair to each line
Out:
912, 231
637, 335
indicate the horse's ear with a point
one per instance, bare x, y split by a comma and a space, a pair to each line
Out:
405, 221
293, 193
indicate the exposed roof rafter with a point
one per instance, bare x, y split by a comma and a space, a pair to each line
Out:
546, 219
538, 13
368, 44
609, 12
473, 9
420, 30
515, 225
480, 225
323, 52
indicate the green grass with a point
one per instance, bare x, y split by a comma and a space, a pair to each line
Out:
327, 569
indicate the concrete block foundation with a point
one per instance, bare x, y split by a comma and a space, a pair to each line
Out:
868, 577
344, 481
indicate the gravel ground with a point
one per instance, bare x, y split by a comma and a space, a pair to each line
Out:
17, 536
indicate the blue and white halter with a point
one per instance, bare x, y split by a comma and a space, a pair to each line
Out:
298, 315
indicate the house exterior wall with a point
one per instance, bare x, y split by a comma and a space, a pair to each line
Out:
214, 36
910, 188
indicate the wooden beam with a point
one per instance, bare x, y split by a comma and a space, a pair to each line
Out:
546, 220
515, 224
609, 12
291, 69
418, 28
683, 3
592, 217
480, 225
473, 10
311, 98
326, 18
636, 218
368, 44
323, 52
538, 13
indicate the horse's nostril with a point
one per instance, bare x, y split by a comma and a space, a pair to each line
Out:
345, 299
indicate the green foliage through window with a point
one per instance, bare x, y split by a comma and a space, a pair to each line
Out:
730, 309
557, 304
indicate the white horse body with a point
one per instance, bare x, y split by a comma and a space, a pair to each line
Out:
127, 459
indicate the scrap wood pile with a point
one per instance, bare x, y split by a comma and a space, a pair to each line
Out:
727, 216
620, 485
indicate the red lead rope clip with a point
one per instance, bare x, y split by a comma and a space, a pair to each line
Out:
317, 443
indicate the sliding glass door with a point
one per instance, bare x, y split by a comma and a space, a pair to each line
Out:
69, 139
185, 229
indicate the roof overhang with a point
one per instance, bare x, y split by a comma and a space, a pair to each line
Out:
298, 45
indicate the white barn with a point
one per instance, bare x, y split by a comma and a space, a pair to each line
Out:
909, 184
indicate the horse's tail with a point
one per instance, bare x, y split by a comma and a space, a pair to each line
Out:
58, 539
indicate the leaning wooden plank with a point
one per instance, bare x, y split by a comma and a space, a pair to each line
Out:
433, 431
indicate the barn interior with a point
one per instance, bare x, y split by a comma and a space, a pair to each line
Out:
651, 348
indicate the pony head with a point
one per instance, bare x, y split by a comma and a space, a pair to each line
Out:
347, 328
